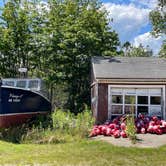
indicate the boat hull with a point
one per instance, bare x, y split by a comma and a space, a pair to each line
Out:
18, 105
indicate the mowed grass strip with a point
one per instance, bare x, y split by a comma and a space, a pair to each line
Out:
84, 153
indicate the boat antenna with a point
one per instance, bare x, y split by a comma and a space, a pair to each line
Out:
23, 71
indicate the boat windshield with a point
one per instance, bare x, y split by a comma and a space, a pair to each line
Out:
29, 84
32, 84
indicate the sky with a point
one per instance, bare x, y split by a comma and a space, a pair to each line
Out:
131, 21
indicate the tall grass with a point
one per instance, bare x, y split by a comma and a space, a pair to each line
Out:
66, 127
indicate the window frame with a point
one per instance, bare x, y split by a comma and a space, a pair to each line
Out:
148, 88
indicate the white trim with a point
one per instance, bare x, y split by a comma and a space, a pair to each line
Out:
136, 86
162, 87
24, 113
132, 81
163, 102
109, 105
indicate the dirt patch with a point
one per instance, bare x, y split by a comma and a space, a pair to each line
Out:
144, 141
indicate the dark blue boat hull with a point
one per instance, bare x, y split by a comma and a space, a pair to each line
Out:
19, 105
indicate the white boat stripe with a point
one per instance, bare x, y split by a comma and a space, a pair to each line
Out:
24, 113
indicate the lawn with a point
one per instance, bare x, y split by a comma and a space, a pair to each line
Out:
84, 153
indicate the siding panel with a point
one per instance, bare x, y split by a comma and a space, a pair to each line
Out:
102, 115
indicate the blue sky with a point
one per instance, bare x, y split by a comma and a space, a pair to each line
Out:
131, 21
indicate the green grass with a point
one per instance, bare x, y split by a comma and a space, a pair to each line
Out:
83, 153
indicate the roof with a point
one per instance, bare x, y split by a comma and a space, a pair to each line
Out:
129, 68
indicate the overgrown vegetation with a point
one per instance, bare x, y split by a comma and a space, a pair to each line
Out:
65, 127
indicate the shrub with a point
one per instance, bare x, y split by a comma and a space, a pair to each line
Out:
67, 122
66, 127
130, 126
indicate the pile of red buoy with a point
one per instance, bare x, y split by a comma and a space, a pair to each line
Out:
117, 127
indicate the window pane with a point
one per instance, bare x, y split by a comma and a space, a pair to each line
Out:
129, 109
33, 84
155, 100
21, 84
142, 109
142, 99
155, 111
117, 99
129, 99
116, 109
9, 83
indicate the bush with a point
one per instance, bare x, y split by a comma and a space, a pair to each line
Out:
66, 127
67, 122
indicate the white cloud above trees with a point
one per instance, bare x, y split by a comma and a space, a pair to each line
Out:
131, 22
148, 39
127, 19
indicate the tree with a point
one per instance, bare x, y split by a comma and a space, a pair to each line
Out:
80, 30
126, 48
162, 52
15, 37
132, 51
158, 18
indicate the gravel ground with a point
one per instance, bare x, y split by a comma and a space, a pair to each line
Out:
144, 141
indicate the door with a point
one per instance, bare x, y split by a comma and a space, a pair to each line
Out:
135, 100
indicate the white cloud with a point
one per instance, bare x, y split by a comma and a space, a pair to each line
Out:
127, 19
151, 4
147, 39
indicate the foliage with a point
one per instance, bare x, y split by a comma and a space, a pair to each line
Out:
66, 128
130, 128
71, 124
55, 40
158, 20
13, 134
130, 125
15, 37
132, 51
79, 30
158, 17
162, 52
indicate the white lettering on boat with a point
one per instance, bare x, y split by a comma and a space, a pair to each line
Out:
14, 98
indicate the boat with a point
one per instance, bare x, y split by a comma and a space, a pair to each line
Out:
22, 100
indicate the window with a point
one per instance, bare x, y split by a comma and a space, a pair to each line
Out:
129, 99
33, 84
155, 100
21, 84
117, 104
142, 110
136, 100
129, 109
117, 109
9, 83
117, 99
142, 99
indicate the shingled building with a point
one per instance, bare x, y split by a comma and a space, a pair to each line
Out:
121, 83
